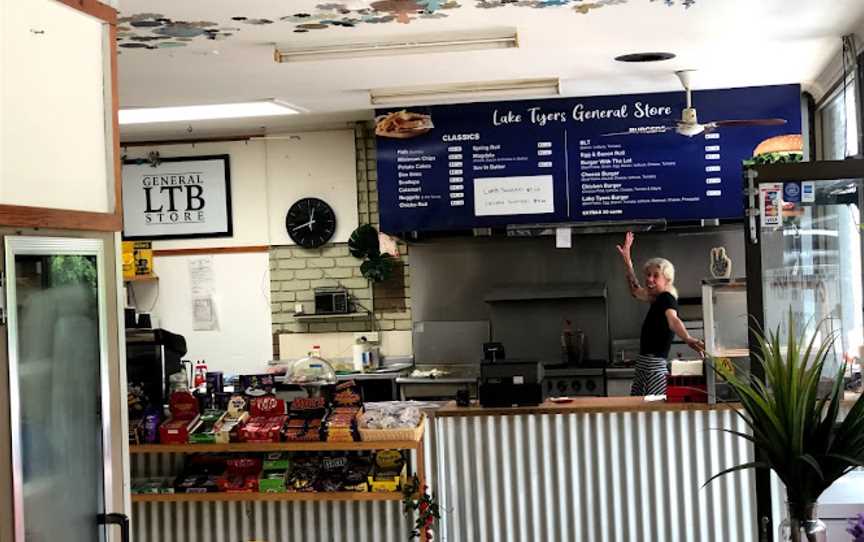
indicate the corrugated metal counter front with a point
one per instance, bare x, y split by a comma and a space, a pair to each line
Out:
597, 469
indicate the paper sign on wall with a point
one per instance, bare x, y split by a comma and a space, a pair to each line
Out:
497, 196
201, 289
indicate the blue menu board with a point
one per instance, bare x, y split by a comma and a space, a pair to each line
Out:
572, 159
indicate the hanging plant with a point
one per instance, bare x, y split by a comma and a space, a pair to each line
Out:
363, 244
416, 499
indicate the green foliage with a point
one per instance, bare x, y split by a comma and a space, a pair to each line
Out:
416, 499
799, 434
73, 270
363, 244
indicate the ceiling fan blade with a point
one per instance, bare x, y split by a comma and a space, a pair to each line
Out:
641, 130
749, 122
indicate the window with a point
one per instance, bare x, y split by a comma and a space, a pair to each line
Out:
839, 118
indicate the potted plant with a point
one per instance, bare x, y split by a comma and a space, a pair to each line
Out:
364, 244
797, 433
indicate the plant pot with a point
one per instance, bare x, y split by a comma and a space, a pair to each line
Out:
802, 524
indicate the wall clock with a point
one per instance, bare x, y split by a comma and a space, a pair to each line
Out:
310, 222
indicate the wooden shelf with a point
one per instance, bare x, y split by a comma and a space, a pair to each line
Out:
240, 447
150, 278
292, 496
331, 316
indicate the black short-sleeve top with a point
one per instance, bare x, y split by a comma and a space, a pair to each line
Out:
656, 337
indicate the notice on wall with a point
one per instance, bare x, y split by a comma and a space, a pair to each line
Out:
513, 195
177, 198
201, 289
599, 158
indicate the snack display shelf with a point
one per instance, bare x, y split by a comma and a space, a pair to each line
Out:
291, 496
241, 447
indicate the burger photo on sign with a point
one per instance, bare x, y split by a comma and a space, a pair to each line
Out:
782, 149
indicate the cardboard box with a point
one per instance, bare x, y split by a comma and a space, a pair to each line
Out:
273, 481
208, 429
389, 471
184, 419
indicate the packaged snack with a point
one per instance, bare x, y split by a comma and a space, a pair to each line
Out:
257, 385
303, 475
183, 421
357, 473
347, 394
214, 382
152, 419
241, 475
152, 486
273, 481
265, 424
389, 471
136, 431
196, 483
277, 461
211, 424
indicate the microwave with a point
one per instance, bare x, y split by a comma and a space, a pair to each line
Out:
331, 301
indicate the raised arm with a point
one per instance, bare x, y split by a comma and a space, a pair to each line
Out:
677, 326
636, 290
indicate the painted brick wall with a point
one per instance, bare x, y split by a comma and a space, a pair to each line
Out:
294, 271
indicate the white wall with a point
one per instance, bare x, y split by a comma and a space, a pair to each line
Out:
266, 177
54, 150
243, 342
312, 164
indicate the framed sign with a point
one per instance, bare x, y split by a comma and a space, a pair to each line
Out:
180, 198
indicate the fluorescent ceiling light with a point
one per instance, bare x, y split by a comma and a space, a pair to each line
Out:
440, 43
263, 108
462, 92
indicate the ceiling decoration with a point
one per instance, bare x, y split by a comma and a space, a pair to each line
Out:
153, 31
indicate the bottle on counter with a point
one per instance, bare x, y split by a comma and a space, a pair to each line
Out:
567, 351
199, 381
359, 355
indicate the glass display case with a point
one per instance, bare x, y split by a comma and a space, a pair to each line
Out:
725, 317
805, 240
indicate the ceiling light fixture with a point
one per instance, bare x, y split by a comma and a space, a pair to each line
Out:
502, 39
261, 108
645, 57
465, 92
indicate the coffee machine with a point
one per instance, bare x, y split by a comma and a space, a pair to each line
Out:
152, 355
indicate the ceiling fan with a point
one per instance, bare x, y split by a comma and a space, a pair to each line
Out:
689, 124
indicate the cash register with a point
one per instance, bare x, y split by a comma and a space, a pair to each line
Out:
509, 382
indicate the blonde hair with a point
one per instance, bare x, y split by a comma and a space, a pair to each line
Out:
666, 269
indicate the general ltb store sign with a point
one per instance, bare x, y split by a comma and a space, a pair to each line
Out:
176, 198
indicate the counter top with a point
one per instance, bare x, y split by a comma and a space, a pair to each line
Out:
580, 405
438, 380
593, 405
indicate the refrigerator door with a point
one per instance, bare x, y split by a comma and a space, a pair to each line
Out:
59, 393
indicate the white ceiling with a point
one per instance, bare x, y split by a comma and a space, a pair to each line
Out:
731, 42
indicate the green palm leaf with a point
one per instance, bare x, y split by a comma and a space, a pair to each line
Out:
799, 434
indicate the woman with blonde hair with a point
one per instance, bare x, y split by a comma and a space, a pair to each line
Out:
661, 323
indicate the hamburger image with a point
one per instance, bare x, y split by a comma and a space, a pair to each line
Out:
403, 124
782, 149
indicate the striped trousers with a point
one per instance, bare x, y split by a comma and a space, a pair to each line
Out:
650, 376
